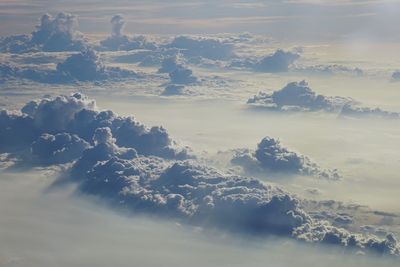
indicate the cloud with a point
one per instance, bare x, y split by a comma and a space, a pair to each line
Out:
17, 131
173, 89
325, 233
202, 47
271, 156
78, 115
84, 66
396, 76
334, 69
298, 96
141, 170
53, 34
119, 41
59, 148
202, 196
279, 61
359, 112
178, 73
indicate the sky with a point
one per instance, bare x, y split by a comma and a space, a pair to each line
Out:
218, 133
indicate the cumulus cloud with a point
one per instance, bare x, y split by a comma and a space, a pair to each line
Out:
53, 34
119, 41
59, 148
122, 161
81, 67
50, 122
200, 195
202, 47
279, 61
270, 155
178, 73
298, 96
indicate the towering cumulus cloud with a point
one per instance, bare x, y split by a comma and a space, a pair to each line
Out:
271, 156
53, 34
142, 170
119, 41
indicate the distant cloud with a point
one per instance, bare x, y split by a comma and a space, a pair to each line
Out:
119, 41
173, 89
271, 156
298, 96
359, 112
279, 61
334, 69
202, 47
178, 73
53, 34
84, 66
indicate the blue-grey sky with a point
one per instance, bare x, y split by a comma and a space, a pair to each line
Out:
303, 20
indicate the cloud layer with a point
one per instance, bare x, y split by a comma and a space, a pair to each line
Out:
142, 170
84, 66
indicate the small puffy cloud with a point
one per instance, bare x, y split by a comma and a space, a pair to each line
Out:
270, 155
53, 34
202, 47
298, 96
119, 41
279, 61
182, 75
